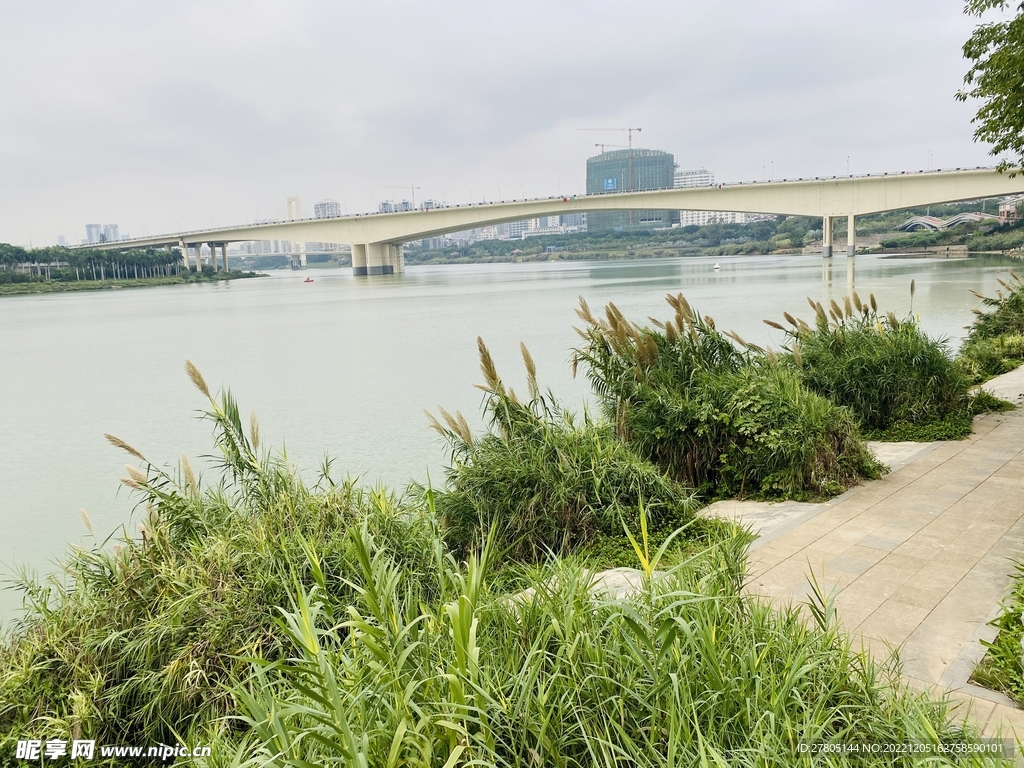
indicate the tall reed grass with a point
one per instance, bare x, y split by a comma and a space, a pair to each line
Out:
136, 642
723, 417
899, 382
995, 340
541, 481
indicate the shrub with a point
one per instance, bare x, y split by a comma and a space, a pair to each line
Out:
1006, 312
892, 376
724, 420
137, 644
916, 240
540, 481
981, 358
995, 340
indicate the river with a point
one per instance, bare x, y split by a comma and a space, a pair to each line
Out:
345, 366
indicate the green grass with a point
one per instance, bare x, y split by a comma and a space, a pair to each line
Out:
1001, 669
685, 672
725, 419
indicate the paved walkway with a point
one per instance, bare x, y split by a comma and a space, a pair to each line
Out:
919, 559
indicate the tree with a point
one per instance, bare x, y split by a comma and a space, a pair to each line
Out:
996, 77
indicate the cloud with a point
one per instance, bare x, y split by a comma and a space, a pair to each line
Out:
160, 116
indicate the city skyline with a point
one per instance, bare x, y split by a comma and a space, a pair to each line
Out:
186, 119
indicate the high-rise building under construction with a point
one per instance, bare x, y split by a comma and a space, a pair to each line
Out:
610, 172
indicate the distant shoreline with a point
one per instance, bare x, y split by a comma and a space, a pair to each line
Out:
54, 286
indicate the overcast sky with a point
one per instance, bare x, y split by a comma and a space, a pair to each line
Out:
160, 116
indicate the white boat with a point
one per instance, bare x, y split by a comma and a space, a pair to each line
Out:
717, 265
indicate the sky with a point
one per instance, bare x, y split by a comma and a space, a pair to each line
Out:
163, 116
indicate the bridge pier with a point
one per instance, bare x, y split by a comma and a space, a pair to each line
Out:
375, 255
358, 259
396, 253
826, 237
851, 235
184, 254
377, 259
224, 255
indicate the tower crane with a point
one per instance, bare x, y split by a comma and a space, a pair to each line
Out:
613, 146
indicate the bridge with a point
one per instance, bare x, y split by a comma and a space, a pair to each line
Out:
377, 238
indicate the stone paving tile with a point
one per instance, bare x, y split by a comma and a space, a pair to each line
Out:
880, 542
850, 564
918, 560
892, 621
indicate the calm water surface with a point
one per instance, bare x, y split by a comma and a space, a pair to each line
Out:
345, 366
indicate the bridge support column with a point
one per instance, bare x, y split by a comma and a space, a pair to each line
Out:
376, 256
224, 256
358, 259
213, 256
184, 253
826, 237
394, 264
851, 235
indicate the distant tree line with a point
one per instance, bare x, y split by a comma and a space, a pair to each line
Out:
65, 265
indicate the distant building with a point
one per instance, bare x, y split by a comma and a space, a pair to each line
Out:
327, 209
1009, 208
609, 172
575, 222
61, 241
429, 205
101, 233
393, 206
515, 229
702, 177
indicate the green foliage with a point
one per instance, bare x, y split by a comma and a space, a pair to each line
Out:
995, 340
717, 418
1003, 238
542, 483
80, 264
915, 240
686, 671
996, 53
1006, 312
981, 359
899, 383
136, 643
1001, 669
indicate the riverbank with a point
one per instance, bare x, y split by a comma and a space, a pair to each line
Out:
55, 286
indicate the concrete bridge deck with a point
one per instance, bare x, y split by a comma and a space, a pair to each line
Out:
377, 239
919, 559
